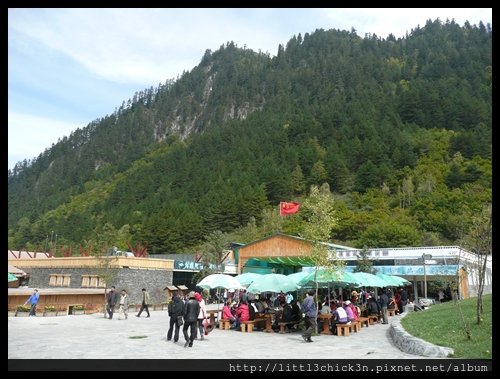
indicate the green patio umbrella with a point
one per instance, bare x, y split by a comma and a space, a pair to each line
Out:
393, 280
247, 278
325, 278
272, 283
12, 277
297, 276
366, 279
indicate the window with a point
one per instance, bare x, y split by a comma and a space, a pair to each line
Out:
59, 280
92, 281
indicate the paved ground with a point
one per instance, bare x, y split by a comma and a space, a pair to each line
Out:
96, 337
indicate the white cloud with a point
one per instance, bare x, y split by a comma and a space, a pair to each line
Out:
27, 133
398, 21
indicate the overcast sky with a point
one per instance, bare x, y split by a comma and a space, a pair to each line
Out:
68, 67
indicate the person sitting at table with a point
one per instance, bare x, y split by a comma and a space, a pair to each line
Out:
264, 306
227, 314
339, 317
296, 314
355, 311
325, 308
372, 307
242, 313
279, 315
348, 310
354, 297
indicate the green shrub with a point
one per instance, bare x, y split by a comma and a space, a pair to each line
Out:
49, 308
23, 308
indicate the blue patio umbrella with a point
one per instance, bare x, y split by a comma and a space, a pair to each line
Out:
12, 277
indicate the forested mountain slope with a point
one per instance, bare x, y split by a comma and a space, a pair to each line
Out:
399, 128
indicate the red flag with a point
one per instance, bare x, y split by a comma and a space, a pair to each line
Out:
289, 208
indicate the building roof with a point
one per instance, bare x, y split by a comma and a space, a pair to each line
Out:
330, 245
16, 271
14, 254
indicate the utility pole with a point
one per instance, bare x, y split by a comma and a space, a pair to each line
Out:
424, 258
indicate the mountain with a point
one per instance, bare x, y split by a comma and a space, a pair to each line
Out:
406, 121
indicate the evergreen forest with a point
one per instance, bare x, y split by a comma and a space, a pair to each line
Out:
398, 129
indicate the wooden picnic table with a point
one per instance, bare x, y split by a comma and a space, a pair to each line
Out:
212, 314
269, 320
326, 322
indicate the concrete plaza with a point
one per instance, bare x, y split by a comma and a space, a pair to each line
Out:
96, 337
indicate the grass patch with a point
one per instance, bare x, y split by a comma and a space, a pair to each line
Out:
137, 337
442, 325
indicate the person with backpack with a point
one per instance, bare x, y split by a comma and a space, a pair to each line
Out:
175, 311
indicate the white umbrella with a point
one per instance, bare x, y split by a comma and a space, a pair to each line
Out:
219, 281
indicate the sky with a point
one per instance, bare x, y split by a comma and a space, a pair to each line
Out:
68, 67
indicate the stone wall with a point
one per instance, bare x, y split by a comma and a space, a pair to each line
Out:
413, 345
130, 279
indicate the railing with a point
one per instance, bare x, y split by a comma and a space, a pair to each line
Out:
132, 262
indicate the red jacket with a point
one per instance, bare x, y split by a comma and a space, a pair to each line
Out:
226, 313
243, 313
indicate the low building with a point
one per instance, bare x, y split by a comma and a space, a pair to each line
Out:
285, 254
91, 274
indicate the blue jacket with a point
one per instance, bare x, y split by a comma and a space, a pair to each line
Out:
309, 307
33, 299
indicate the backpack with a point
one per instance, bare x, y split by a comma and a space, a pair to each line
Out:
251, 312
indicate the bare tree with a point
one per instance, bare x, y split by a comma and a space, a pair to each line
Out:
105, 268
319, 214
478, 241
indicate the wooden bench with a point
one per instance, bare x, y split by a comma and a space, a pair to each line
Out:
343, 328
372, 319
355, 326
224, 324
283, 324
247, 326
260, 320
391, 312
364, 321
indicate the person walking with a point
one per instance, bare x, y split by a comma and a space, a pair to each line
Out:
202, 315
33, 300
145, 303
111, 300
176, 312
384, 301
311, 313
191, 311
123, 305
